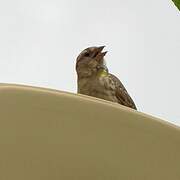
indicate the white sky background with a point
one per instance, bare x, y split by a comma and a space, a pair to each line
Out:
40, 40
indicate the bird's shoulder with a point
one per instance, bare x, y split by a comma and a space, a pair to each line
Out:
121, 92
117, 82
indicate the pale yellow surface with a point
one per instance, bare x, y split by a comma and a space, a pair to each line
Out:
53, 135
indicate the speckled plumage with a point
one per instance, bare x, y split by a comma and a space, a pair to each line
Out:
95, 80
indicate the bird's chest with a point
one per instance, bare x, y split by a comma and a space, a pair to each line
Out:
101, 87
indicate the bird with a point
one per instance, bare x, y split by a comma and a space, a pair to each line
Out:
94, 79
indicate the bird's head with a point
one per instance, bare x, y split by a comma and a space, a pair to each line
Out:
90, 61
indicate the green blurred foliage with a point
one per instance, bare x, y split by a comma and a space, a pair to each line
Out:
177, 3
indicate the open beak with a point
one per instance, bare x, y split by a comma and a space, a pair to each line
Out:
99, 54
100, 48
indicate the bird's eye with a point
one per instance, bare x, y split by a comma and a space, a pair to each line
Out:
86, 54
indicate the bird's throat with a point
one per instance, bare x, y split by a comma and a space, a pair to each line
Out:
102, 73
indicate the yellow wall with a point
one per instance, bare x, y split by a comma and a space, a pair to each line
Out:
53, 135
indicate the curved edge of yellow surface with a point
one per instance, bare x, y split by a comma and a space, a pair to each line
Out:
49, 134
85, 98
